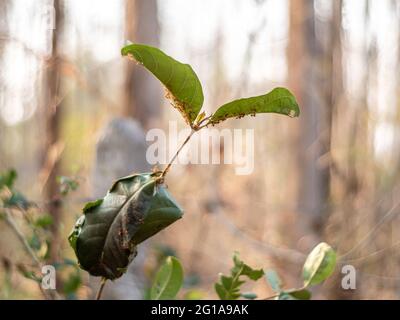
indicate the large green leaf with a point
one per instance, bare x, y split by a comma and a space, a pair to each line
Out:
134, 209
228, 287
319, 264
279, 100
168, 280
183, 86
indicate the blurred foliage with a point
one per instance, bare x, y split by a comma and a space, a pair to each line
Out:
33, 226
319, 265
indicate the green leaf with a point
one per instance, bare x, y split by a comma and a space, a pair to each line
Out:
168, 281
228, 287
8, 178
92, 204
319, 264
194, 294
67, 184
249, 295
28, 273
279, 100
34, 242
294, 294
253, 274
299, 294
182, 84
284, 296
106, 236
273, 280
43, 221
72, 283
17, 199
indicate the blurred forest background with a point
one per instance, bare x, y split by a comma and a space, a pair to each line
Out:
73, 112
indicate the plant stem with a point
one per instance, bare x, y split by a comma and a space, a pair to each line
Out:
287, 291
13, 225
100, 291
11, 222
177, 153
195, 128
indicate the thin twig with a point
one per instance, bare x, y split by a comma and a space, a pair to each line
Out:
100, 291
177, 153
11, 222
387, 217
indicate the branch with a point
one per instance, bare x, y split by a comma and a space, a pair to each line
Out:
14, 227
177, 153
100, 291
11, 222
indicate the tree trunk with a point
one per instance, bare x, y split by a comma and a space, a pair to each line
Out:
142, 91
52, 146
4, 33
310, 79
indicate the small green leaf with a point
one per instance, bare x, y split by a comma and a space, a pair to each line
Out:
28, 273
249, 295
253, 274
34, 242
228, 287
194, 294
168, 280
90, 205
8, 178
220, 290
319, 264
299, 294
67, 184
273, 280
182, 84
44, 221
279, 100
284, 296
17, 199
72, 283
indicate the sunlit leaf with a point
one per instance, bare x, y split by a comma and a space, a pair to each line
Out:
182, 84
319, 264
279, 100
168, 280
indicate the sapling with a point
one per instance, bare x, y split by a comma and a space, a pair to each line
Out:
318, 266
105, 238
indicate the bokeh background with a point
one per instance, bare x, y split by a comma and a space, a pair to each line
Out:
71, 106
